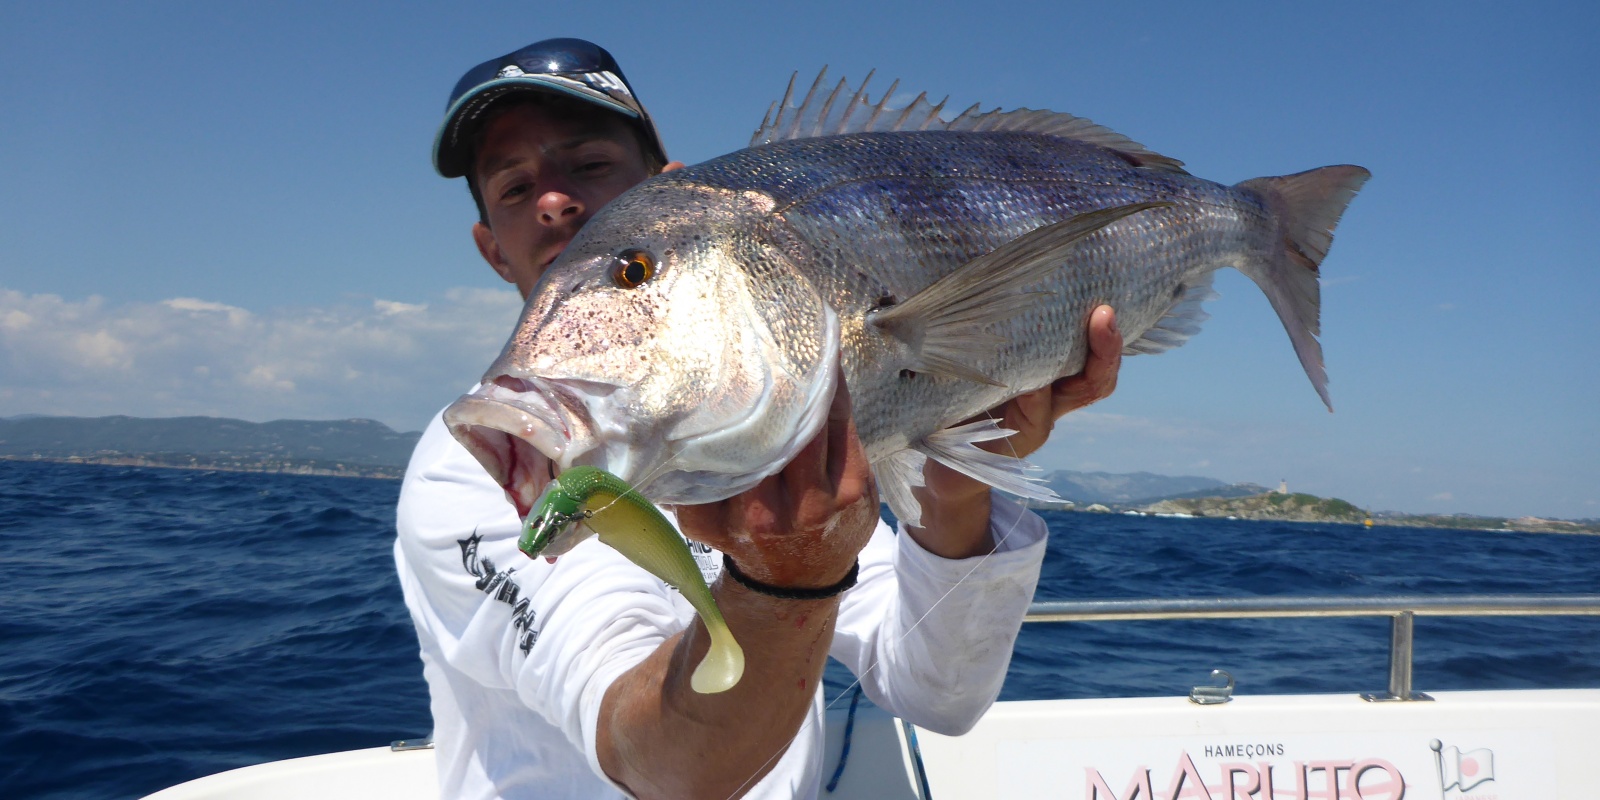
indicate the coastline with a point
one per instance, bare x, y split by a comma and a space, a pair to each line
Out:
210, 463
1280, 507
1266, 507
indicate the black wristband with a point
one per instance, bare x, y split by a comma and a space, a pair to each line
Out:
788, 593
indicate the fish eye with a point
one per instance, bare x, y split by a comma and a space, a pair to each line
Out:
632, 268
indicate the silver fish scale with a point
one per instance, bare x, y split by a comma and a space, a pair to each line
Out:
883, 216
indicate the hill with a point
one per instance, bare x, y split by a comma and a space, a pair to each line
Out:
1310, 508
360, 447
1295, 507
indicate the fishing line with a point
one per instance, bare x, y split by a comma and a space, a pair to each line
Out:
648, 477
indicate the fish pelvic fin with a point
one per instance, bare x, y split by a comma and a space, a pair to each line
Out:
941, 326
897, 474
1307, 206
957, 448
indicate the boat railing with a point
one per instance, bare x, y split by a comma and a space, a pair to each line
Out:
1402, 610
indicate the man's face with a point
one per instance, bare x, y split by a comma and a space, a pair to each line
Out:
542, 175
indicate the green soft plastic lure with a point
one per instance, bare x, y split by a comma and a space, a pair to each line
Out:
633, 526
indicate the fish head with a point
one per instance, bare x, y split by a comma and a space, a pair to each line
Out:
676, 343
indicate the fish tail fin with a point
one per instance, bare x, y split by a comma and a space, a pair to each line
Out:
1307, 207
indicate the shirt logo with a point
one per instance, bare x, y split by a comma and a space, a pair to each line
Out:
498, 584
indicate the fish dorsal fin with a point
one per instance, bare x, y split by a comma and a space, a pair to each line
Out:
843, 109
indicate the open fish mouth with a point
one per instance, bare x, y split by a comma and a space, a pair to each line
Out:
523, 431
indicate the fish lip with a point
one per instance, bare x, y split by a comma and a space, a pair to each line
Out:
523, 432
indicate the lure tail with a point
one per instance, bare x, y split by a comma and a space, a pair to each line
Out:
639, 531
723, 664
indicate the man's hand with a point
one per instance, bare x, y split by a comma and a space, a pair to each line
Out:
955, 508
802, 527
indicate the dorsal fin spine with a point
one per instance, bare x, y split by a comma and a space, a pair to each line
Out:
906, 114
827, 106
806, 103
878, 109
859, 98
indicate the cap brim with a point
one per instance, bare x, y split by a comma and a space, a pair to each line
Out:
448, 156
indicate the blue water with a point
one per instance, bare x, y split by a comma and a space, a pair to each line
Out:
159, 625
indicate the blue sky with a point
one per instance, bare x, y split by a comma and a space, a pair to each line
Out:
220, 208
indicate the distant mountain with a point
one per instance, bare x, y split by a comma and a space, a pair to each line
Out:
1140, 488
349, 446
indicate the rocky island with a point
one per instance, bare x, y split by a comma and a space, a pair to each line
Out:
1299, 507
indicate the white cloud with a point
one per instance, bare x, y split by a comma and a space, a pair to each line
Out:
392, 361
196, 304
396, 307
1443, 496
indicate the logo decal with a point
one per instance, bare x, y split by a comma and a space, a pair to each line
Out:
1461, 771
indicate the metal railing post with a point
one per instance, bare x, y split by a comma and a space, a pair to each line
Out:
1402, 628
1401, 631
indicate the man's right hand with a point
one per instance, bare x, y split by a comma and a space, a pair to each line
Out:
800, 528
804, 526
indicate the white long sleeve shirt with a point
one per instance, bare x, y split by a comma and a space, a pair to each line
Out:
519, 653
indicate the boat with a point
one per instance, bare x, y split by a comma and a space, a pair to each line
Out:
1393, 743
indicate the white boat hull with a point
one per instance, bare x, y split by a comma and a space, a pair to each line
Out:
1500, 745
376, 772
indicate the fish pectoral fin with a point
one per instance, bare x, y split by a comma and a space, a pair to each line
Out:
942, 326
1181, 321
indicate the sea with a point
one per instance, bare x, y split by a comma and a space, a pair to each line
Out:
158, 625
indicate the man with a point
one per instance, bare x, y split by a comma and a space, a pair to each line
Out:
570, 679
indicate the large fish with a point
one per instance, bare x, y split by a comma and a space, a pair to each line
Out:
689, 337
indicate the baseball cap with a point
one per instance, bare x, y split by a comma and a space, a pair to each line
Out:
573, 67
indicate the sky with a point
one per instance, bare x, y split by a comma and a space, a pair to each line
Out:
228, 209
